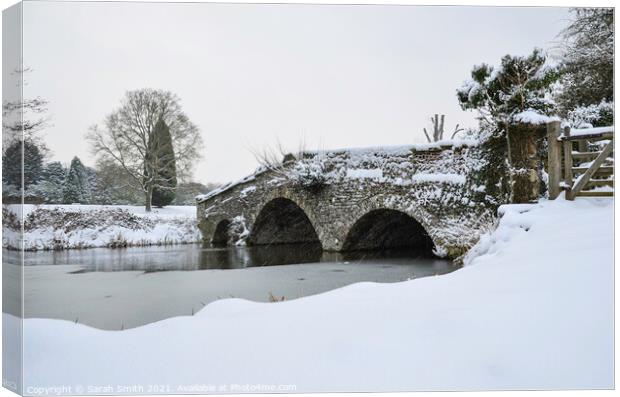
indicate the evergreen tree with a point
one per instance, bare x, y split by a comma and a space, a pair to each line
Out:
587, 62
52, 183
128, 139
166, 179
76, 185
508, 99
12, 164
518, 85
600, 115
99, 192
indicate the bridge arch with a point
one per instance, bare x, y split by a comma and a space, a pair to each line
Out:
282, 221
220, 235
386, 228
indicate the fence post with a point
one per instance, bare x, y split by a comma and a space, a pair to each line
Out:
568, 164
554, 159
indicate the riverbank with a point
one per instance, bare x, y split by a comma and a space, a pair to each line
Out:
59, 227
528, 312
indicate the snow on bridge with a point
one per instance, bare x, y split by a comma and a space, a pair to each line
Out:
424, 196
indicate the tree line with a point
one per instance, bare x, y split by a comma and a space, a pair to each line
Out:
55, 183
144, 151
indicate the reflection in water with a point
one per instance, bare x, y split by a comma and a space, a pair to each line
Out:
197, 257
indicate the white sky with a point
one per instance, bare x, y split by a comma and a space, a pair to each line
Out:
247, 75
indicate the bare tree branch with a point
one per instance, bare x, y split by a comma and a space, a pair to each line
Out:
128, 139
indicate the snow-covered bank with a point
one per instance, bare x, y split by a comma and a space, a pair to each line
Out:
87, 226
531, 311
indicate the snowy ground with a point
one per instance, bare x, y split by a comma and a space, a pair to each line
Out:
88, 226
172, 211
533, 310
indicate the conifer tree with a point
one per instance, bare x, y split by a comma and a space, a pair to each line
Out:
12, 164
100, 193
127, 139
166, 179
511, 100
52, 183
76, 185
519, 84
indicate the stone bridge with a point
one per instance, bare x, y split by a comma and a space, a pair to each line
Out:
426, 196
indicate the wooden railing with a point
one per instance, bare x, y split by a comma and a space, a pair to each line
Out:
571, 154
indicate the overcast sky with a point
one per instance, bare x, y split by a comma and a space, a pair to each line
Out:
248, 75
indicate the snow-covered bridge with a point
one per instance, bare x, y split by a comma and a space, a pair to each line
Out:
426, 196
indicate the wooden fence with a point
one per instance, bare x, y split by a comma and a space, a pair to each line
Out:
580, 162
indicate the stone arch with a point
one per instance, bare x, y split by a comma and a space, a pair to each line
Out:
220, 235
387, 229
282, 221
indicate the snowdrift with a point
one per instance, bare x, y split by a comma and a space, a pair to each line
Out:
528, 312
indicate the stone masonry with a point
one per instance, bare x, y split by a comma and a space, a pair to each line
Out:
435, 186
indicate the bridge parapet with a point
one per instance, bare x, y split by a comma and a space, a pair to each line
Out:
434, 184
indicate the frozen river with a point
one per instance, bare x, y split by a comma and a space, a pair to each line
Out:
123, 288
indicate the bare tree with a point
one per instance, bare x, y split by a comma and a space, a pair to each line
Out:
24, 118
129, 138
304, 168
275, 157
438, 129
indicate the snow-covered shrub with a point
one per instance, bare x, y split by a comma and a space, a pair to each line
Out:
309, 174
10, 219
592, 116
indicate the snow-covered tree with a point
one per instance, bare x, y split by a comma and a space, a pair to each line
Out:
587, 61
505, 97
128, 131
519, 84
598, 115
76, 189
166, 178
100, 192
52, 183
12, 164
